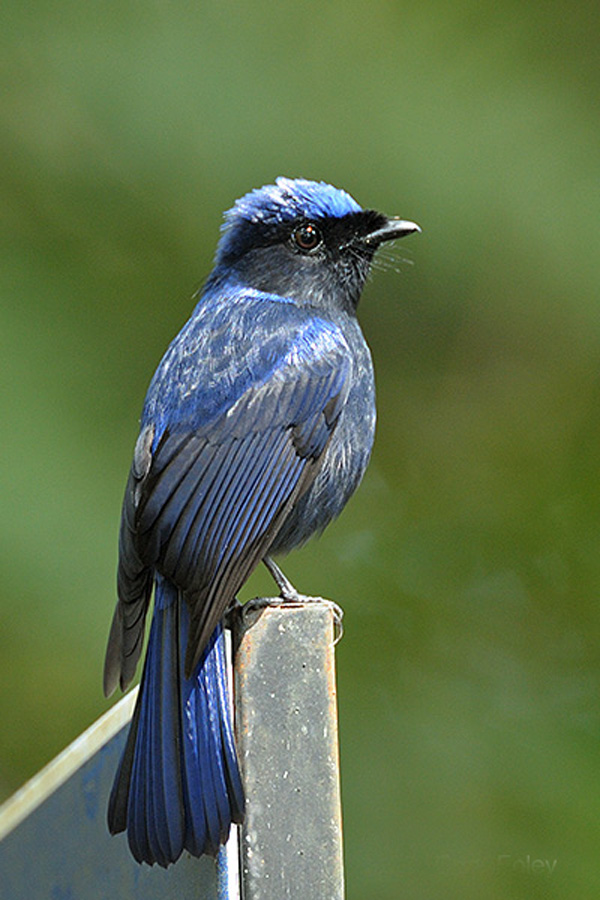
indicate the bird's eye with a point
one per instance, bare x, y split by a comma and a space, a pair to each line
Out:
307, 237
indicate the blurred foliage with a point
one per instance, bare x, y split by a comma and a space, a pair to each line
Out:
469, 563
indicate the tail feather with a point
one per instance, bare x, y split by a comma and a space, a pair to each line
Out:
208, 801
178, 784
155, 806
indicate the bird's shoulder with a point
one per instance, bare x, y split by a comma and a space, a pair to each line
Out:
235, 342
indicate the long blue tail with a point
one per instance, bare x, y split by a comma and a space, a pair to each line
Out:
178, 785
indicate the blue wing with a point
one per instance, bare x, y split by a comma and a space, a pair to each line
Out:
221, 459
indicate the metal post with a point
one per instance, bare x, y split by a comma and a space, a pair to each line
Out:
286, 722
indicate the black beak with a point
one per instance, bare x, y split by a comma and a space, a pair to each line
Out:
391, 230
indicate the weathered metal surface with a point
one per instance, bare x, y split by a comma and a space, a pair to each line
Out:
286, 722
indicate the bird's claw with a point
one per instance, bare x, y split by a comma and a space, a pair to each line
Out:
260, 603
290, 596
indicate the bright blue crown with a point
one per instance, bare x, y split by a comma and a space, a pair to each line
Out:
284, 201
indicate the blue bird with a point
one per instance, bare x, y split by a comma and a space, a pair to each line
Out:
256, 429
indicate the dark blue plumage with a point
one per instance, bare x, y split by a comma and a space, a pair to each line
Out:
257, 428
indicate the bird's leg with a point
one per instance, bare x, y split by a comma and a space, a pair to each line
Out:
289, 594
287, 591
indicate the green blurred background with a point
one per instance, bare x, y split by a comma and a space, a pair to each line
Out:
469, 563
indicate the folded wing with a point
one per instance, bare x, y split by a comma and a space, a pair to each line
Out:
203, 506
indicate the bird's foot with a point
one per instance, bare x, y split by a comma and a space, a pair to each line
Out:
289, 595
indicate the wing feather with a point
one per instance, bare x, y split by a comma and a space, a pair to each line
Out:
202, 507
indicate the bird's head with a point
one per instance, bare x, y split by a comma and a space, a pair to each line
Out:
305, 240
